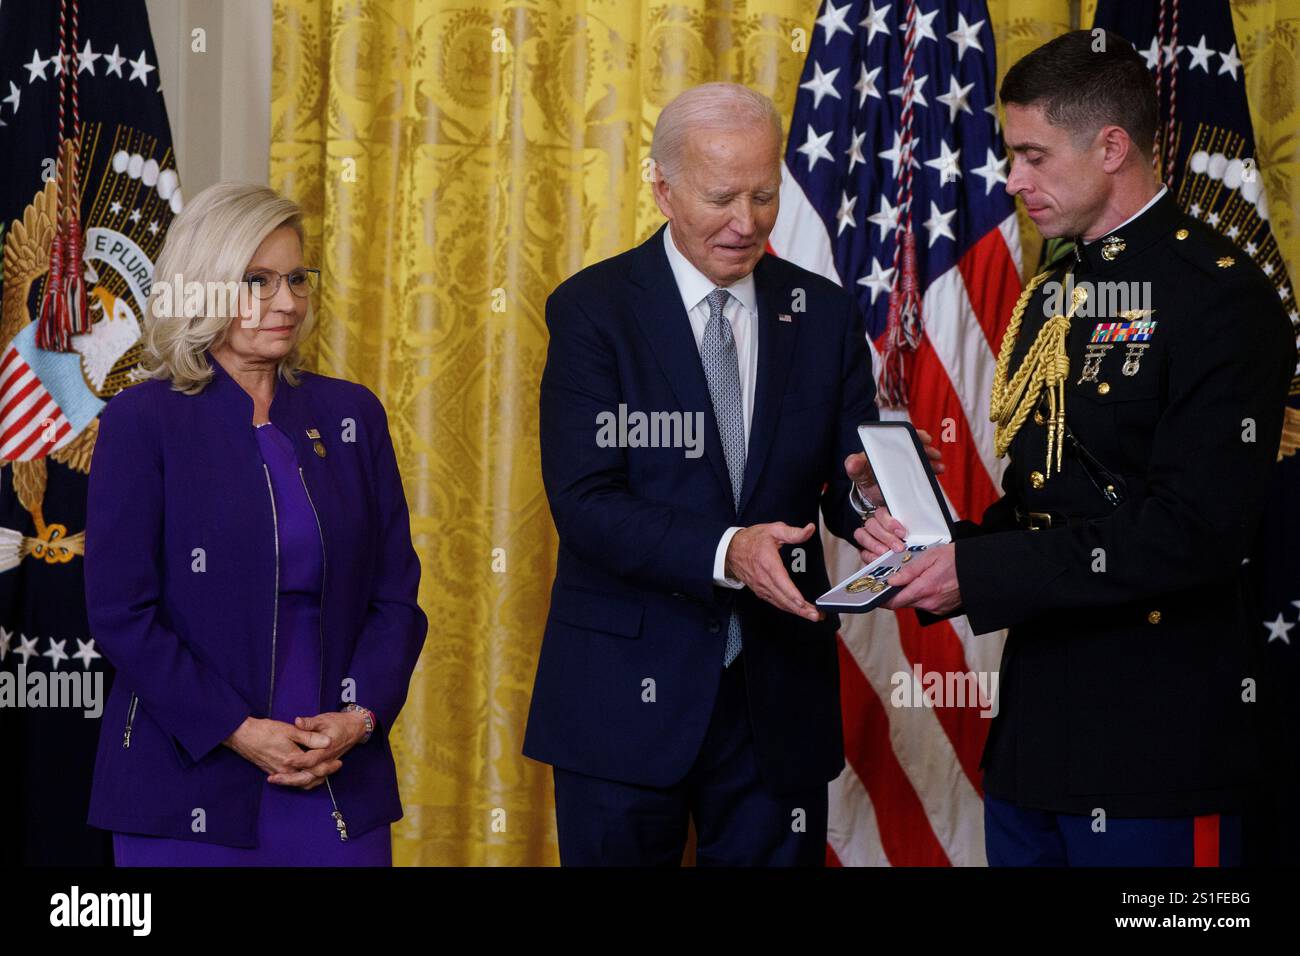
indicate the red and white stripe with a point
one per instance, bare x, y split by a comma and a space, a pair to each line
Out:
31, 422
910, 793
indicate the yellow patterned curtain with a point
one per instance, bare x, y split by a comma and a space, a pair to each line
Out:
456, 161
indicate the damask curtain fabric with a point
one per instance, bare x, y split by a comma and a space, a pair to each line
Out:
457, 159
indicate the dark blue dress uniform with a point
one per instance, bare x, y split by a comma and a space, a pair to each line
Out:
1127, 675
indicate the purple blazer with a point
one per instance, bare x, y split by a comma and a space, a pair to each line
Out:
174, 473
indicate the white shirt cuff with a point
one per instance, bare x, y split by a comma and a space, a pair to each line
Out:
720, 562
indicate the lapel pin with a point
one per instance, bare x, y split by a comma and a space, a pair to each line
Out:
784, 317
313, 433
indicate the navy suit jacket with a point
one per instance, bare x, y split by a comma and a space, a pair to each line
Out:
632, 655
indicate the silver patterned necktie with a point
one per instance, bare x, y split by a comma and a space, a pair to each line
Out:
722, 370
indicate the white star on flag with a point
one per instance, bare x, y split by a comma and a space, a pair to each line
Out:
925, 27
36, 68
27, 648
895, 154
56, 653
937, 224
815, 146
948, 163
994, 171
886, 218
1152, 54
13, 96
114, 61
1230, 62
854, 152
1200, 56
832, 21
86, 59
1279, 629
822, 84
956, 98
874, 21
845, 216
880, 280
917, 97
866, 85
140, 69
86, 653
966, 36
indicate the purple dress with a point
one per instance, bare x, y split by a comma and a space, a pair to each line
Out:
294, 826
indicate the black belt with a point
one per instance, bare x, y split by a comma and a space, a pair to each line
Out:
1038, 520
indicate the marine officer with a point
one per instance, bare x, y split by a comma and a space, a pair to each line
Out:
1138, 396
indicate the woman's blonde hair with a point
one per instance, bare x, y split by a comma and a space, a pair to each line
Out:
210, 242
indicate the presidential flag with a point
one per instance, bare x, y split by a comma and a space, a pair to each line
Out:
88, 167
894, 187
1207, 156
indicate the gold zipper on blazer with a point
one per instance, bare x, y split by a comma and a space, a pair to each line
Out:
339, 823
130, 719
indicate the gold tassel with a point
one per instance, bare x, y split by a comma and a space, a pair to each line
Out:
1046, 368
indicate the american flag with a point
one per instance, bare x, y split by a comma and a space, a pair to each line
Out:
894, 187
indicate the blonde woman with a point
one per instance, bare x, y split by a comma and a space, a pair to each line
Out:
249, 569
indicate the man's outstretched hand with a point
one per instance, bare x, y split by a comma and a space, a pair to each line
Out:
754, 558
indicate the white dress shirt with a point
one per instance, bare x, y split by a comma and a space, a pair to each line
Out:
741, 311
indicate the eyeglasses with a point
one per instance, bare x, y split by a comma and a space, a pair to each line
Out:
265, 283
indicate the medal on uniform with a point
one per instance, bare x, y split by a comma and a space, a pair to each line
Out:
1133, 360
1136, 336
1092, 362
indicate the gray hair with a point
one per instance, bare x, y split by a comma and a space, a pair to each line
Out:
727, 106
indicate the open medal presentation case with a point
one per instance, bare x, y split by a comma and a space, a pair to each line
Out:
912, 495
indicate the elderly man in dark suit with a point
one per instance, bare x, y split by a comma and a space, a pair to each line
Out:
685, 670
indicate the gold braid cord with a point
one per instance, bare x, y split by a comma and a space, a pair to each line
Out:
1046, 367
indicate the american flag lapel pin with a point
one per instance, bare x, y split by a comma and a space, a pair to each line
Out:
784, 317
